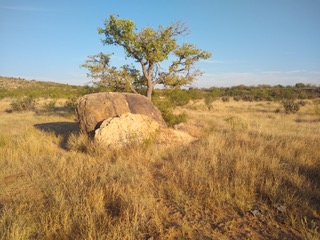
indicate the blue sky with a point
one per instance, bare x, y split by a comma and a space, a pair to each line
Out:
253, 41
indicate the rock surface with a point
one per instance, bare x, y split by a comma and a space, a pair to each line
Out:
135, 128
93, 109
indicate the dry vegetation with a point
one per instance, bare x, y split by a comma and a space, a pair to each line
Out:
253, 174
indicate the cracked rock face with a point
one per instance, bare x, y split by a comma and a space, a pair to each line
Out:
93, 109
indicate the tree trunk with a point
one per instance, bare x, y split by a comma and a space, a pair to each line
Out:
149, 92
147, 72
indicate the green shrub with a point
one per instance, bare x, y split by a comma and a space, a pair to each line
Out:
216, 92
172, 119
165, 107
195, 94
179, 97
23, 104
290, 106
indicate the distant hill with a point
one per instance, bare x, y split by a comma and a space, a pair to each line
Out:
18, 87
15, 83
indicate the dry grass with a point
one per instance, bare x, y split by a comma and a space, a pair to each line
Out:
253, 174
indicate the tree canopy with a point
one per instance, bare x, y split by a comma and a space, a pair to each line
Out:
149, 48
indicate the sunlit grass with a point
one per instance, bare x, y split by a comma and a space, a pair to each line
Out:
253, 173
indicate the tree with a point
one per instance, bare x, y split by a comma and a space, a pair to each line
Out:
148, 48
124, 79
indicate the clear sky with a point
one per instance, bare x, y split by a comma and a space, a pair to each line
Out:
253, 41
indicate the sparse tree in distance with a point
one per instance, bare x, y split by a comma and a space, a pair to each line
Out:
149, 48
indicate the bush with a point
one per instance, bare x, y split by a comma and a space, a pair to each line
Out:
23, 104
172, 119
179, 97
237, 98
290, 106
195, 94
169, 117
225, 99
248, 98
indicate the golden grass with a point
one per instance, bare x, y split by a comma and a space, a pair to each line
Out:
253, 174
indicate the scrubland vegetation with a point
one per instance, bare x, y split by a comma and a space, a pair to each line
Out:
253, 173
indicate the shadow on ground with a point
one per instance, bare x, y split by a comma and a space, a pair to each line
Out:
63, 129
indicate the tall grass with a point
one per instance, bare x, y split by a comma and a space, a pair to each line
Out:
253, 174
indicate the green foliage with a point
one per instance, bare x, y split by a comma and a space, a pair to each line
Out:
178, 97
124, 79
195, 93
300, 85
271, 93
149, 47
173, 119
212, 95
166, 108
19, 88
23, 104
288, 93
290, 106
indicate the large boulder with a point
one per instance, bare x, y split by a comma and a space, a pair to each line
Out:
93, 109
135, 128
